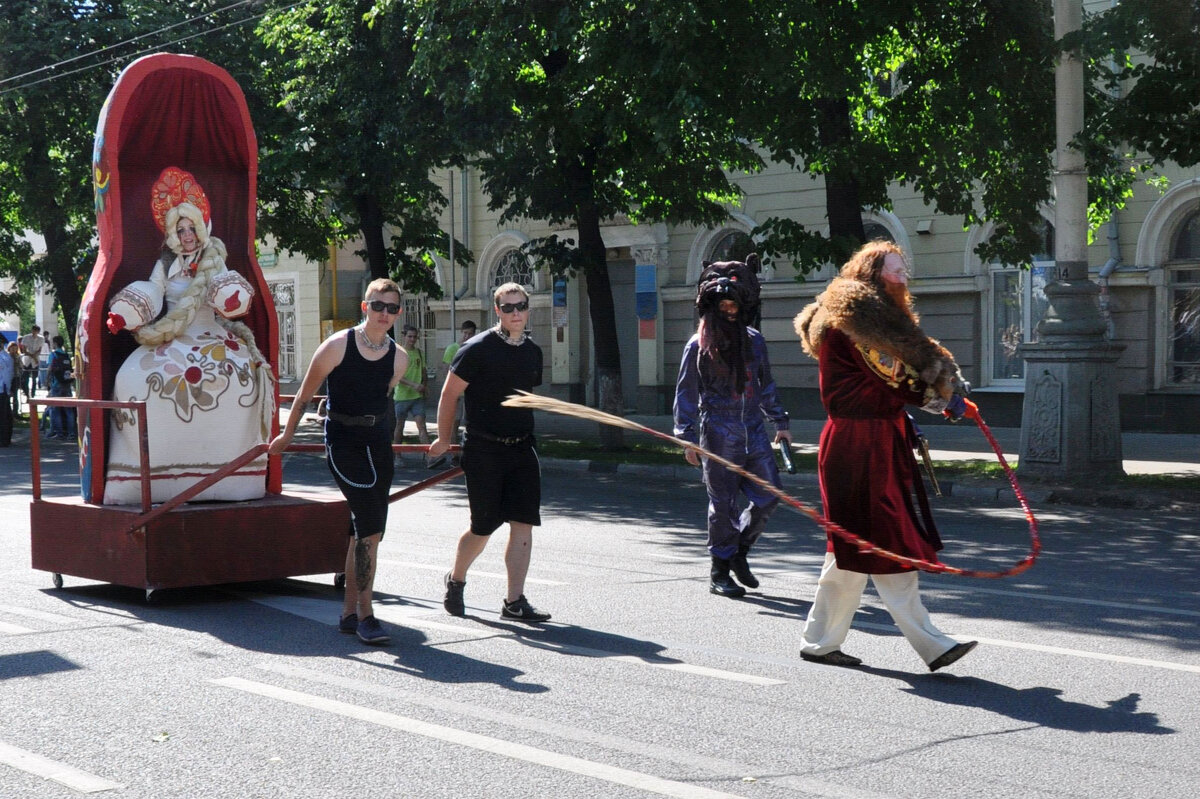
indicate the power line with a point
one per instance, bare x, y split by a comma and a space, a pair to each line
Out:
154, 49
121, 44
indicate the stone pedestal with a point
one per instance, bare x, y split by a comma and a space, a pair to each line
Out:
1071, 422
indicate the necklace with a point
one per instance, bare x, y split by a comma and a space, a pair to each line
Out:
372, 346
507, 339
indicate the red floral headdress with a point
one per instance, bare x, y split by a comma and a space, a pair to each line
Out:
175, 186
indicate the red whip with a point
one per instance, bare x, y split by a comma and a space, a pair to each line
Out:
535, 402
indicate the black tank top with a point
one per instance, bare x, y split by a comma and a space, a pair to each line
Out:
358, 387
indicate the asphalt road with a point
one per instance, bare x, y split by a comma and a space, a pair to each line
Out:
1086, 682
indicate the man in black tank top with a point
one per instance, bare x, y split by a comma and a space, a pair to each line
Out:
499, 459
362, 365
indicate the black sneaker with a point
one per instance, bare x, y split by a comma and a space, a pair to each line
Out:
348, 624
453, 601
370, 631
521, 610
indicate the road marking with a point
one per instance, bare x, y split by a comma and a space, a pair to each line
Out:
701, 763
324, 610
1071, 600
56, 618
474, 572
14, 629
1054, 650
484, 743
49, 769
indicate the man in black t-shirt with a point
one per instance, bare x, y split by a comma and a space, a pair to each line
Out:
499, 459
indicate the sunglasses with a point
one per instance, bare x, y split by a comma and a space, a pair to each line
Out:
379, 305
509, 307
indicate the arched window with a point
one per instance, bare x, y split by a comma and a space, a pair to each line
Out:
1183, 285
513, 267
877, 231
733, 246
1018, 303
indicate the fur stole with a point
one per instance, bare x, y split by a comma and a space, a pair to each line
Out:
871, 319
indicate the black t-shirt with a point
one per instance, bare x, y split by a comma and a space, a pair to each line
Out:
493, 369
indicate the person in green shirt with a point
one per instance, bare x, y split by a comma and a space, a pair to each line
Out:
409, 393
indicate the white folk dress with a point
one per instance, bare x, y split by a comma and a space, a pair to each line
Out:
207, 392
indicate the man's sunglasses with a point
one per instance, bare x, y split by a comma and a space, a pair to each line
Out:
509, 307
379, 305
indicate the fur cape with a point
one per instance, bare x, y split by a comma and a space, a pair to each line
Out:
871, 319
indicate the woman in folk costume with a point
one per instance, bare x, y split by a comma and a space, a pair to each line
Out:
874, 359
208, 389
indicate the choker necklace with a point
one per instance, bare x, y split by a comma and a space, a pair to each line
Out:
507, 339
373, 347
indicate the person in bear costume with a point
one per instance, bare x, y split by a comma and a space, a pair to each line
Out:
723, 394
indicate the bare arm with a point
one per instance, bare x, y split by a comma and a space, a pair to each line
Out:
326, 358
452, 389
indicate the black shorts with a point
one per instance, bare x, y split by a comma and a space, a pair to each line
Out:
504, 484
363, 471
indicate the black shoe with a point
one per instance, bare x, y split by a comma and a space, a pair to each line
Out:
741, 569
521, 610
952, 654
370, 631
348, 624
453, 601
720, 582
835, 658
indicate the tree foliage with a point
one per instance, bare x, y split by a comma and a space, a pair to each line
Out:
353, 143
952, 97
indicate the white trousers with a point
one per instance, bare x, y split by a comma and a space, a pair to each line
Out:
838, 595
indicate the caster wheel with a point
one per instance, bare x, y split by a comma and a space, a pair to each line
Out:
56, 578
339, 580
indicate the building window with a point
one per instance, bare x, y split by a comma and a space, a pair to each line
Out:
1018, 303
513, 267
1183, 285
732, 246
876, 231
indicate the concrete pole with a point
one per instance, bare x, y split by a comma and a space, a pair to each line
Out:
1070, 426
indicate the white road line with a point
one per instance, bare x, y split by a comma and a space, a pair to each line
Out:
324, 610
56, 618
474, 572
1071, 600
516, 751
49, 769
700, 763
14, 629
1054, 650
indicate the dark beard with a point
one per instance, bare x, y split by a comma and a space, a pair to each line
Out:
723, 344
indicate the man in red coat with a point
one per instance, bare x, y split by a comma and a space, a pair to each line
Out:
874, 359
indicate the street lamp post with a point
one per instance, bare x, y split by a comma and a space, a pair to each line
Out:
1070, 426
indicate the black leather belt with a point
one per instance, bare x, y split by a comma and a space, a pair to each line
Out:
369, 420
508, 441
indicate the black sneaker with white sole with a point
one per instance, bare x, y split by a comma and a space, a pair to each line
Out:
453, 601
521, 610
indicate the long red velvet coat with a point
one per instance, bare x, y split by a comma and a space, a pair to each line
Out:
867, 470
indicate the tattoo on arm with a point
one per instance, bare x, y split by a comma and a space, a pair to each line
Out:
362, 564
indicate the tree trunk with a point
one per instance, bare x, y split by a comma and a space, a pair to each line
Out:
610, 397
370, 217
60, 264
842, 203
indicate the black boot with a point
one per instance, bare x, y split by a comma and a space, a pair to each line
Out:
741, 569
722, 584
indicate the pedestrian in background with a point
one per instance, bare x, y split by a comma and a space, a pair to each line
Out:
60, 381
361, 366
467, 332
8, 387
873, 359
499, 458
722, 396
31, 345
14, 353
409, 394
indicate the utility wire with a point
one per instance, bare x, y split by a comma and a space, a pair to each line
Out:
58, 64
154, 49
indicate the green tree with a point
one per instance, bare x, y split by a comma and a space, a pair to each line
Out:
352, 145
581, 112
952, 97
